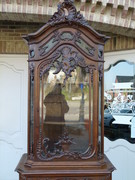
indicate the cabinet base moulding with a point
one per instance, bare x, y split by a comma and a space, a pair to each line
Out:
57, 172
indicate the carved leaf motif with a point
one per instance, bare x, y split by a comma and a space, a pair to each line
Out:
67, 36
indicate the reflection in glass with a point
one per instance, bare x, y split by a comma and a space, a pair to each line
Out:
119, 98
65, 112
56, 107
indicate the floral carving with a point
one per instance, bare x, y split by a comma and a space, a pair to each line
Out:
67, 13
65, 139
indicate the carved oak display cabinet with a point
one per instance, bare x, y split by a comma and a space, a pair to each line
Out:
66, 101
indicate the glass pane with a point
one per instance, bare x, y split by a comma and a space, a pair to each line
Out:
87, 48
31, 114
48, 46
65, 126
119, 98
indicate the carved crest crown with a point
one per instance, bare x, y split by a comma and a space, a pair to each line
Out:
67, 13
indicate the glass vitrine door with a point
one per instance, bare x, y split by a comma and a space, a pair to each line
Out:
65, 114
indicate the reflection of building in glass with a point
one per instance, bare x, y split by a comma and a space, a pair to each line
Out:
123, 84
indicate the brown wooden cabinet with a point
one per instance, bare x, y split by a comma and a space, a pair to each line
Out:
66, 101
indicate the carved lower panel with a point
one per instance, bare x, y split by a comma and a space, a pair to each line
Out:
107, 177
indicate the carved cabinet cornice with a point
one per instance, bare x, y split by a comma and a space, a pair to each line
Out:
66, 100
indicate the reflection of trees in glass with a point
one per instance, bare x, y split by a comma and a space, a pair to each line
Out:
73, 88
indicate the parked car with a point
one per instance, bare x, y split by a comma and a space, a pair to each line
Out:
108, 118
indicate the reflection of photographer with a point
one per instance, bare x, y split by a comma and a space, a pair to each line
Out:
56, 107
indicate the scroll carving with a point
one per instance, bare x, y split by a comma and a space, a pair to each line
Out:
67, 36
50, 44
67, 13
61, 149
67, 60
42, 50
57, 37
